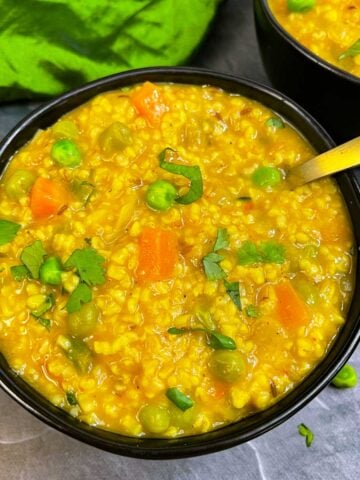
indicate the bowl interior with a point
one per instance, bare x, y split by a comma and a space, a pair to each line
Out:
260, 422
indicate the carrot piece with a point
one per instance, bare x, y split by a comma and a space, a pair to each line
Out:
292, 311
148, 103
46, 198
158, 253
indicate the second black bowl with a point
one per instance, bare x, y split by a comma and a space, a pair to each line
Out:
330, 94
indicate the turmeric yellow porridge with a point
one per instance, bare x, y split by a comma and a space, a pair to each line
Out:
157, 275
329, 28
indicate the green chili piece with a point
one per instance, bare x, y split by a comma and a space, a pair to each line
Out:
50, 271
193, 173
300, 5
346, 377
179, 399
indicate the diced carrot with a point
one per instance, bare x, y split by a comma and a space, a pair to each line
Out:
292, 310
248, 206
158, 253
148, 103
47, 197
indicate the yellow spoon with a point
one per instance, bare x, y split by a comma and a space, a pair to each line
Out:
335, 160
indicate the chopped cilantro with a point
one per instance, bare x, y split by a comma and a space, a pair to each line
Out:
88, 264
352, 51
233, 290
8, 231
71, 398
213, 270
32, 257
267, 252
216, 340
45, 322
81, 294
248, 254
222, 240
252, 311
20, 272
307, 433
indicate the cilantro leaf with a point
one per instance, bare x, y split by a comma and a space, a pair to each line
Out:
233, 290
89, 265
252, 311
20, 272
218, 341
267, 252
272, 252
307, 433
352, 51
177, 331
213, 270
8, 231
248, 254
81, 294
32, 257
222, 239
47, 305
71, 398
45, 322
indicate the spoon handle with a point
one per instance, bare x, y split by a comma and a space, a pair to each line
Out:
335, 160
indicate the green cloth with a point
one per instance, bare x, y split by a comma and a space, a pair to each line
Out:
50, 46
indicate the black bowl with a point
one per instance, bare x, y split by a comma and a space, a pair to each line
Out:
330, 94
258, 423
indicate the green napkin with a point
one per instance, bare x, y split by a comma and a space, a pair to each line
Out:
50, 46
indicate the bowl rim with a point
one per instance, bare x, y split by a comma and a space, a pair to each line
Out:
304, 50
180, 447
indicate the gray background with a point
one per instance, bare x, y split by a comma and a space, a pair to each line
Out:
31, 450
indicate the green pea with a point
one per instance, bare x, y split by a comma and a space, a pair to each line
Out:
161, 195
227, 365
154, 418
346, 378
66, 153
50, 271
300, 5
19, 184
275, 122
115, 138
266, 177
65, 129
80, 354
83, 322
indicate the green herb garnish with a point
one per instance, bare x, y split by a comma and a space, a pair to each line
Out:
233, 290
71, 398
252, 311
352, 51
32, 257
81, 294
193, 173
216, 340
89, 265
307, 433
20, 272
213, 270
8, 231
222, 240
267, 252
45, 322
179, 399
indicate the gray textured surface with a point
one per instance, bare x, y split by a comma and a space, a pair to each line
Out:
31, 450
